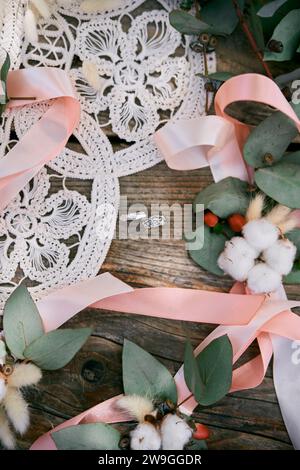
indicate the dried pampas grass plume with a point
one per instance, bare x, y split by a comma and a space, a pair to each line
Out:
30, 27
90, 6
16, 409
278, 214
42, 7
287, 225
255, 208
6, 434
90, 73
136, 406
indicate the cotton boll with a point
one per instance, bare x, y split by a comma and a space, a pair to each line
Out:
237, 258
3, 388
145, 437
6, 435
280, 256
175, 432
24, 375
16, 409
30, 27
263, 279
260, 234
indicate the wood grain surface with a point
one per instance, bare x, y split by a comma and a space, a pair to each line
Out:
244, 420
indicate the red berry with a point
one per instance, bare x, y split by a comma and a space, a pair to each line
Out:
202, 432
236, 222
210, 219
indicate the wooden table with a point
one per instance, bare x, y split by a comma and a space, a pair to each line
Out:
244, 420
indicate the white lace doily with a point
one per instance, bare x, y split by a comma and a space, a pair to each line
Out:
50, 232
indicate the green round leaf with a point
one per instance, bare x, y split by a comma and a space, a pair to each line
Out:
209, 375
293, 277
288, 33
292, 157
281, 182
236, 200
221, 76
2, 349
221, 15
94, 436
294, 236
22, 323
272, 136
186, 23
207, 256
270, 8
56, 349
144, 375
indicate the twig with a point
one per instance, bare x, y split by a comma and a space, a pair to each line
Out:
251, 38
197, 9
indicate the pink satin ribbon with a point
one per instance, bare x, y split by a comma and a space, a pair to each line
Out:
243, 317
48, 136
216, 141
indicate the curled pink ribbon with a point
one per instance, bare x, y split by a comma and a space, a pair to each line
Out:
48, 136
215, 141
249, 317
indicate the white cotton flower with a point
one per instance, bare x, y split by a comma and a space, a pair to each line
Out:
263, 279
145, 437
260, 234
175, 432
237, 258
280, 256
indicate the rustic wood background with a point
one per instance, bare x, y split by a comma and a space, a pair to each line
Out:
244, 420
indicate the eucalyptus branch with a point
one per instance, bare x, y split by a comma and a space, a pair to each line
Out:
251, 38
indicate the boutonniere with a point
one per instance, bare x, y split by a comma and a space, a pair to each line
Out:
25, 351
155, 416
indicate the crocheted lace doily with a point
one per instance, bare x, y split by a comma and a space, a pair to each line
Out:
52, 233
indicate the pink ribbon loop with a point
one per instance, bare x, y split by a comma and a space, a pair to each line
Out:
48, 136
217, 141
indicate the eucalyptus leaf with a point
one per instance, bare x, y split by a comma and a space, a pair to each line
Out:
196, 444
270, 23
281, 182
207, 256
191, 373
2, 349
288, 33
215, 369
144, 375
3, 77
293, 277
221, 76
270, 8
236, 200
94, 436
22, 323
294, 236
292, 157
221, 15
271, 137
186, 23
56, 349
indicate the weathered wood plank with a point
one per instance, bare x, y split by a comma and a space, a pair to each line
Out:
245, 420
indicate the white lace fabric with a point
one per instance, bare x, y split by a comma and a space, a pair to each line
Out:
58, 230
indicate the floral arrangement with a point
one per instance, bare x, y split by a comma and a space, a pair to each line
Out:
25, 350
151, 401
